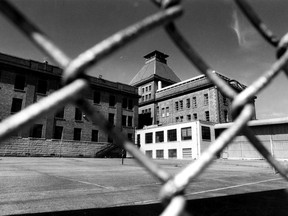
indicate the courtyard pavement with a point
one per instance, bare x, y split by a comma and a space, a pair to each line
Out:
34, 185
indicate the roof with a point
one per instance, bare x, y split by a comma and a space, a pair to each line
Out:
155, 66
261, 122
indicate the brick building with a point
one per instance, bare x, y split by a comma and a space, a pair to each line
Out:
23, 82
167, 100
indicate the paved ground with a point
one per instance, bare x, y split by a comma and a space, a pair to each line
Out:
33, 185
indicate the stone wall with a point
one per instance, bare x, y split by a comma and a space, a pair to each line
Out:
49, 148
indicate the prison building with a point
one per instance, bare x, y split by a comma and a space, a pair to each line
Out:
177, 141
24, 82
165, 99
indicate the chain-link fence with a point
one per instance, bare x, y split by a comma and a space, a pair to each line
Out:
74, 82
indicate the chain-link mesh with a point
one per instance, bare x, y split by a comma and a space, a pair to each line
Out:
173, 189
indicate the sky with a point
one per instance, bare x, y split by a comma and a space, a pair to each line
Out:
216, 29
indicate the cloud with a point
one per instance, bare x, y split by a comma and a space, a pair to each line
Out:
246, 34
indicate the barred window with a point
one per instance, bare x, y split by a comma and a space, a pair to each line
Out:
159, 136
207, 116
186, 133
181, 104
194, 102
188, 104
206, 101
148, 138
172, 135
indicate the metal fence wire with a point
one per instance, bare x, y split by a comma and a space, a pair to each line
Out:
74, 84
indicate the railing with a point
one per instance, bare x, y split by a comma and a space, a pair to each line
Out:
173, 189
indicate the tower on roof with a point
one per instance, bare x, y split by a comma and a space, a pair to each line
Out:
154, 75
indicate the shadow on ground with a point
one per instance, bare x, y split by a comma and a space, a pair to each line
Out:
273, 202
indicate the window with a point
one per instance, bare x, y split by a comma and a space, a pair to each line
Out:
195, 116
149, 110
130, 104
94, 137
206, 133
146, 97
130, 121
143, 90
159, 154
226, 116
130, 136
60, 114
186, 133
111, 118
163, 112
112, 100
148, 138
189, 117
150, 88
194, 102
206, 101
78, 114
110, 140
138, 140
159, 136
58, 132
181, 104
167, 111
77, 134
36, 131
149, 96
124, 119
157, 110
143, 99
148, 153
176, 106
42, 87
172, 153
16, 105
177, 119
96, 97
188, 104
207, 116
146, 88
172, 135
19, 82
124, 103
181, 118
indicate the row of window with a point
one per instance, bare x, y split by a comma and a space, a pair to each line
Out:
20, 82
186, 134
126, 103
172, 153
126, 120
179, 105
146, 89
36, 132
